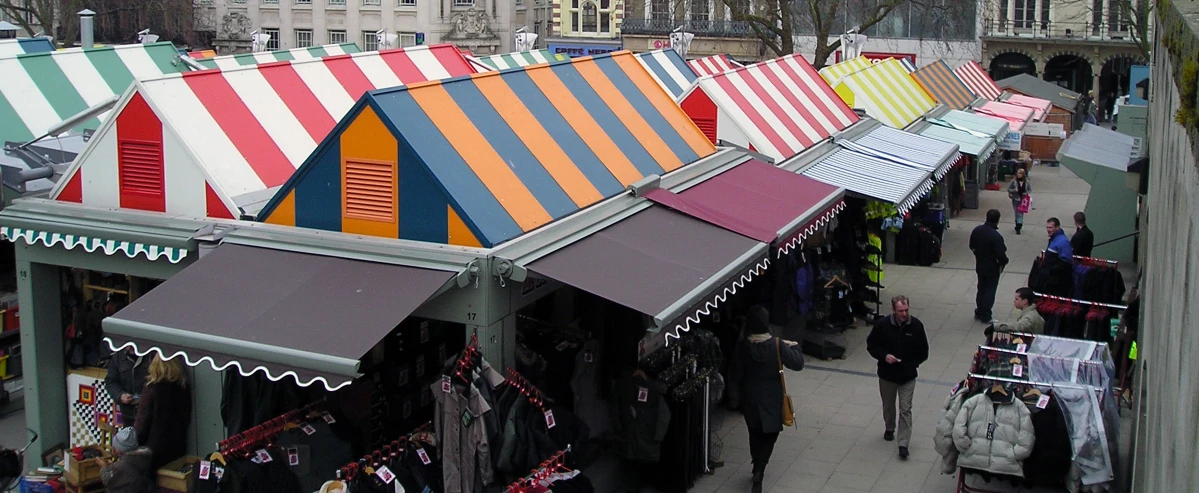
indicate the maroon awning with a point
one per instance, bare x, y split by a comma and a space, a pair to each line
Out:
757, 200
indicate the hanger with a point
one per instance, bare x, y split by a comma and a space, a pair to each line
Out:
998, 388
217, 457
1032, 392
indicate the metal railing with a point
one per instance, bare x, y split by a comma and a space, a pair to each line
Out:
709, 28
1089, 31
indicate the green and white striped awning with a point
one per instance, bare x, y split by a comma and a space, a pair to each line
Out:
521, 59
110, 247
307, 53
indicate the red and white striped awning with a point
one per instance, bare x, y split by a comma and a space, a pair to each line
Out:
978, 80
713, 65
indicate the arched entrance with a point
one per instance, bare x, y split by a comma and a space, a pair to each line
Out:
1070, 71
1005, 65
1113, 79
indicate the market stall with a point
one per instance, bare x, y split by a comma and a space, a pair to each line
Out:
214, 143
453, 138
977, 138
1042, 138
226, 62
1101, 158
715, 64
887, 92
40, 90
1065, 102
669, 69
778, 107
21, 46
837, 71
519, 59
940, 82
978, 80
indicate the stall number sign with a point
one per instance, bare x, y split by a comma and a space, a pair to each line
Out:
1012, 141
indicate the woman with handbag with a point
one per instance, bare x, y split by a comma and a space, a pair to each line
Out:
757, 373
1020, 191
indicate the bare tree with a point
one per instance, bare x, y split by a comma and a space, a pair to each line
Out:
33, 16
116, 21
1140, 16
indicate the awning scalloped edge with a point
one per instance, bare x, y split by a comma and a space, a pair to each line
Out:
232, 363
812, 227
721, 297
110, 247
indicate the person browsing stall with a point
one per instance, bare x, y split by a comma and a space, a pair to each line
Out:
1083, 241
131, 471
165, 411
1027, 319
899, 344
126, 376
1058, 243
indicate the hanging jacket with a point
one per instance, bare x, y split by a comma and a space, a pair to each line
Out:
943, 439
993, 434
1053, 453
465, 453
586, 384
643, 422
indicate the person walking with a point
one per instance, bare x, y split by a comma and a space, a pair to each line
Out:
1017, 189
1028, 320
1083, 241
1057, 241
165, 412
126, 376
990, 257
757, 374
900, 346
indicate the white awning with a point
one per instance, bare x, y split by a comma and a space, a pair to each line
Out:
874, 177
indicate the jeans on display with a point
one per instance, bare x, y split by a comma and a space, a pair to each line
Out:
984, 301
903, 391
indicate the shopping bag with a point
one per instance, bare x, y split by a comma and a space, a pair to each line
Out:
1025, 204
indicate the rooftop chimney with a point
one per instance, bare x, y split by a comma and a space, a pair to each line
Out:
87, 30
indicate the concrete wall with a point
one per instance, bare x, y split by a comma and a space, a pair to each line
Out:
1168, 421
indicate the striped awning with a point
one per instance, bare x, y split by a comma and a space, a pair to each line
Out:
921, 152
974, 143
308, 53
669, 69
21, 46
1016, 116
944, 86
1039, 106
713, 65
520, 59
874, 177
977, 80
887, 92
836, 72
89, 244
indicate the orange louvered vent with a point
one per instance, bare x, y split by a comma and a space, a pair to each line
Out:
708, 127
140, 167
370, 190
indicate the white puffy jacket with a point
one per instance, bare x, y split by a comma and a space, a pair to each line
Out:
1005, 448
943, 439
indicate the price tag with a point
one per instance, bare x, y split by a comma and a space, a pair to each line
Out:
467, 418
219, 472
587, 357
205, 469
562, 346
1043, 402
328, 417
424, 456
1022, 348
293, 456
445, 384
955, 388
307, 429
1018, 370
263, 456
642, 394
549, 419
385, 474
403, 377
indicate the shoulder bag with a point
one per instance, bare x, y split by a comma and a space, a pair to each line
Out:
788, 408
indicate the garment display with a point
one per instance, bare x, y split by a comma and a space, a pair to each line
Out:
459, 424
585, 385
943, 439
993, 432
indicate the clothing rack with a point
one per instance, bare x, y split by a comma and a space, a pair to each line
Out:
467, 360
242, 443
1080, 302
556, 463
527, 389
351, 470
1094, 261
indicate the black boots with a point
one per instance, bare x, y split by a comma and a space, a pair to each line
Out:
758, 473
1018, 226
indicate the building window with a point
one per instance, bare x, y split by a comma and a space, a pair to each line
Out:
1044, 15
303, 2
239, 2
303, 38
464, 3
407, 39
590, 17
370, 3
338, 3
661, 10
337, 37
520, 3
271, 2
407, 3
1025, 14
370, 42
700, 12
273, 43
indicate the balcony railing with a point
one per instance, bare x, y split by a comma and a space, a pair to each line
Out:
717, 29
1087, 31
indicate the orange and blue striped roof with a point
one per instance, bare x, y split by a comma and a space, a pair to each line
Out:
516, 149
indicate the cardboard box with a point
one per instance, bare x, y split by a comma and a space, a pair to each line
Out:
179, 475
80, 472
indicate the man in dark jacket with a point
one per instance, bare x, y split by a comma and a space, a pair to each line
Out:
1083, 240
990, 257
757, 373
127, 374
900, 346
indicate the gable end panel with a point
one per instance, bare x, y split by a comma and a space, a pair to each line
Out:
139, 157
702, 111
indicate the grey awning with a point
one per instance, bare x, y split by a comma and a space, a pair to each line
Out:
658, 262
880, 179
285, 314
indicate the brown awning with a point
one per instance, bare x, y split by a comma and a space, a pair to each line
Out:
658, 262
282, 313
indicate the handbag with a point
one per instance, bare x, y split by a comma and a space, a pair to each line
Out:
1025, 204
788, 408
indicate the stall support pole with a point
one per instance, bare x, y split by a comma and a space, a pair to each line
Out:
707, 423
45, 377
207, 427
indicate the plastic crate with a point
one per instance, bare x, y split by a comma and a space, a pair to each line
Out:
28, 487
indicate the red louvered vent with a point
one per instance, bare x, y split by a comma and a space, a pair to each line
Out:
370, 190
140, 167
708, 127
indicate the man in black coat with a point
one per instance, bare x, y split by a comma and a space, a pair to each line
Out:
990, 257
1083, 240
900, 346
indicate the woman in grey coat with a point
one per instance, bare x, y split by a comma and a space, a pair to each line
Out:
1016, 190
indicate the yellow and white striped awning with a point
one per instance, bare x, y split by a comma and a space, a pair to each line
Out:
836, 72
887, 92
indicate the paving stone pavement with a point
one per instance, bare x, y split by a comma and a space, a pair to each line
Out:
838, 446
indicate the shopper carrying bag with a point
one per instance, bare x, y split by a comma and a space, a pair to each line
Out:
788, 409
